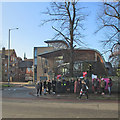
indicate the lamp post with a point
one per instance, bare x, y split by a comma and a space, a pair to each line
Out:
9, 54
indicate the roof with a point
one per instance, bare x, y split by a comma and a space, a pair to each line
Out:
25, 64
11, 52
52, 53
28, 60
57, 41
60, 52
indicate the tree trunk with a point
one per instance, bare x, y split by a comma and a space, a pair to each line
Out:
71, 62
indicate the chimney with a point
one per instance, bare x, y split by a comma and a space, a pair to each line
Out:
25, 56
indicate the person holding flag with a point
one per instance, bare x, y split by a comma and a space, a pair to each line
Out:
83, 90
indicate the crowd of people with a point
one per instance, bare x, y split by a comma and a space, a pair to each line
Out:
80, 86
46, 86
102, 85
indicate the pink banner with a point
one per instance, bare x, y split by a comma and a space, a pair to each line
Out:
106, 80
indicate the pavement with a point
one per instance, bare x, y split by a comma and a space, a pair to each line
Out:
24, 90
75, 97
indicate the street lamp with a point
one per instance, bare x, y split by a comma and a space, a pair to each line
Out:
9, 55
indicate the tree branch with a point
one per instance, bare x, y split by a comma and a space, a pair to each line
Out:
112, 7
67, 39
112, 26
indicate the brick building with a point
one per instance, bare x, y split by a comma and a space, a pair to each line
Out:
26, 70
40, 64
13, 65
20, 70
54, 59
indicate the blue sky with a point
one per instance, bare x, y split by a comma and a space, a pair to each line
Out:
27, 17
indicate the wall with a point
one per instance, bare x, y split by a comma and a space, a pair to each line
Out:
41, 62
0, 67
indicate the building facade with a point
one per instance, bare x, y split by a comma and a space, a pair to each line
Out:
13, 66
85, 60
50, 61
26, 70
40, 64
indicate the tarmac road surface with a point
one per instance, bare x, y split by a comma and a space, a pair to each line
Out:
21, 108
18, 103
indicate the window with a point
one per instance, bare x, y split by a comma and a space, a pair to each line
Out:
35, 69
98, 58
45, 70
59, 58
46, 62
13, 59
35, 52
28, 69
59, 61
35, 61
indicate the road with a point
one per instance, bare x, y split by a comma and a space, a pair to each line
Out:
18, 103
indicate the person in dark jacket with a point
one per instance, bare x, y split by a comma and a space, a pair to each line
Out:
49, 86
72, 86
86, 81
54, 86
109, 85
40, 87
83, 90
80, 84
45, 87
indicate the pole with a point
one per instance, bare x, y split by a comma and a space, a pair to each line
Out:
9, 58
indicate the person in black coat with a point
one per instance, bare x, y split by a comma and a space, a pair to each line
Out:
54, 86
45, 87
86, 81
109, 85
49, 86
40, 87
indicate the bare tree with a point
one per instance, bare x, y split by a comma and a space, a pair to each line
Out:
68, 18
110, 20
